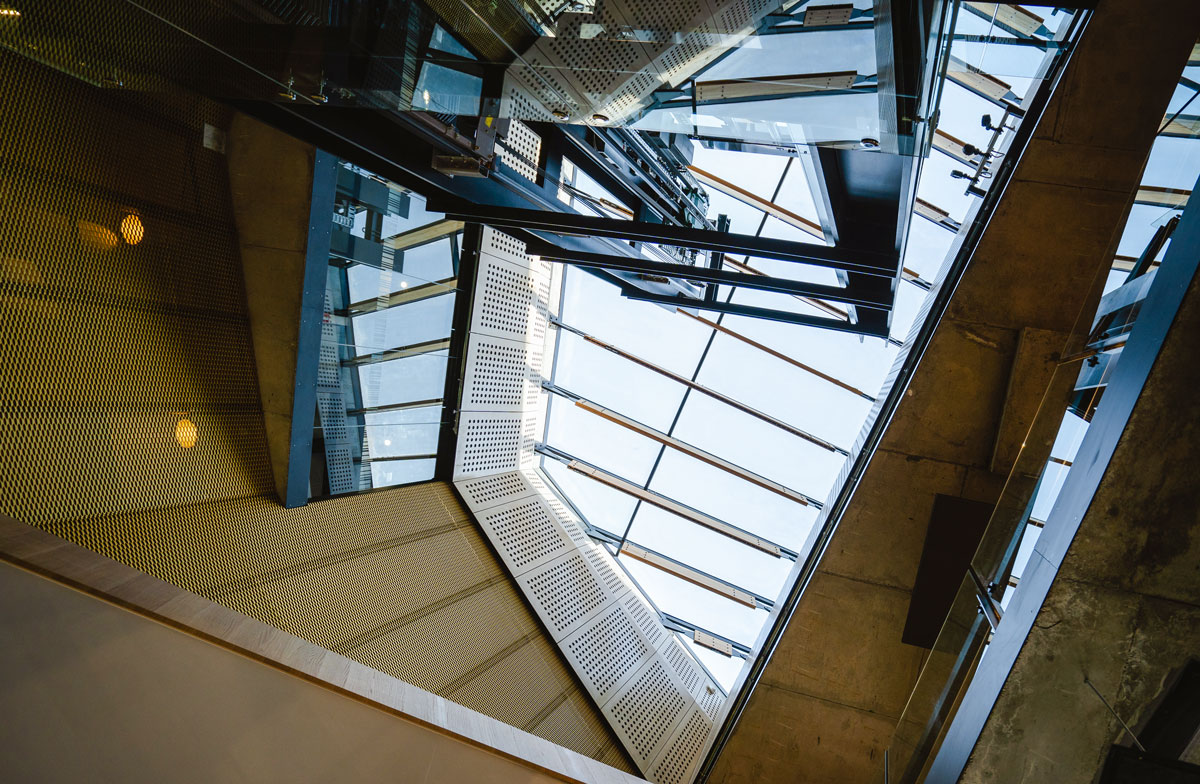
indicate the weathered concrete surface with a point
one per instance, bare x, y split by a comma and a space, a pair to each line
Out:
840, 672
1124, 610
270, 176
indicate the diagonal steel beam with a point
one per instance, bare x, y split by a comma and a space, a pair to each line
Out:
550, 252
864, 261
402, 297
400, 352
695, 576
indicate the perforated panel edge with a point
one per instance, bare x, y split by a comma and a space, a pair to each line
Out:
658, 699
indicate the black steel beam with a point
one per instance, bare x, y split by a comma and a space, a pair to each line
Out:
867, 262
551, 252
753, 311
456, 364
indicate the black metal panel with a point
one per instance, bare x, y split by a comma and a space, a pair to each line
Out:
1129, 766
955, 528
1177, 719
456, 365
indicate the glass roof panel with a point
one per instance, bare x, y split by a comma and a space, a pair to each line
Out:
733, 500
709, 551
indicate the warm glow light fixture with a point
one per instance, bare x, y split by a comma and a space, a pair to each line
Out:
132, 230
9, 12
186, 433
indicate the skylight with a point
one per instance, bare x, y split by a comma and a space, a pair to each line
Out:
780, 402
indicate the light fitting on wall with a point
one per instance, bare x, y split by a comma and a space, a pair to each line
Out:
132, 230
186, 433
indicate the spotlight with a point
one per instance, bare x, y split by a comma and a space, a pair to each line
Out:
186, 433
132, 230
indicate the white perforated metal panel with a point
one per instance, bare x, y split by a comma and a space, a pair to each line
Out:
525, 533
522, 150
606, 653
645, 682
677, 762
644, 713
488, 444
502, 375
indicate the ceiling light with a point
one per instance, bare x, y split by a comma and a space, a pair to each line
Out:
132, 230
186, 433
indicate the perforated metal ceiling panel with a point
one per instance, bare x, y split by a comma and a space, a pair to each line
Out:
658, 699
610, 61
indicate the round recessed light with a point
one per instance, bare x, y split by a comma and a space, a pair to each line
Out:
869, 144
186, 433
600, 118
132, 230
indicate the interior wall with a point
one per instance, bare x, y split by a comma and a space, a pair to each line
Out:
105, 345
136, 700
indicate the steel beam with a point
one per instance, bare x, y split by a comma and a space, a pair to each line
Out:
402, 297
753, 311
867, 262
677, 624
695, 576
549, 252
423, 235
394, 407
754, 200
1170, 198
982, 84
681, 510
832, 310
412, 350
1183, 126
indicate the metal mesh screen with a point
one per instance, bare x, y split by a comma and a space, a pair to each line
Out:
115, 332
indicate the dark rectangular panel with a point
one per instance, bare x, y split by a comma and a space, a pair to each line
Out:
1130, 766
955, 528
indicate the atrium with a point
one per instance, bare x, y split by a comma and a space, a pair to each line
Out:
600, 391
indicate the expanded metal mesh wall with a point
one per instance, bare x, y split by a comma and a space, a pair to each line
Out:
640, 47
110, 338
656, 697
